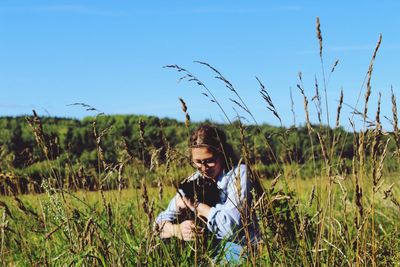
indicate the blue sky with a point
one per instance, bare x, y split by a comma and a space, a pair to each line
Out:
110, 54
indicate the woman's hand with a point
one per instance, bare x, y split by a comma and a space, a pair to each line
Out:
184, 203
186, 230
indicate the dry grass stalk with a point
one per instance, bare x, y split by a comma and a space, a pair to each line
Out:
370, 69
3, 226
324, 152
267, 98
184, 109
358, 189
394, 112
310, 133
145, 197
229, 85
48, 235
374, 137
339, 108
292, 108
110, 216
160, 187
388, 193
301, 88
131, 228
36, 125
274, 182
127, 149
332, 70
377, 167
187, 75
154, 159
375, 147
358, 201
88, 108
395, 122
142, 142
312, 196
120, 177
361, 155
317, 102
336, 136
378, 173
150, 214
98, 137
319, 36
335, 65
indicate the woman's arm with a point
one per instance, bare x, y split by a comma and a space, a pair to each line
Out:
201, 208
168, 229
226, 218
184, 231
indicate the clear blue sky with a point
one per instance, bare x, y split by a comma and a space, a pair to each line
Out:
109, 54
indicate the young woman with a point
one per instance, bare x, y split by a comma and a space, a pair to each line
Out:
229, 219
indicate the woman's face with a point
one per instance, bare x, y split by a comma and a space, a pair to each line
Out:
207, 162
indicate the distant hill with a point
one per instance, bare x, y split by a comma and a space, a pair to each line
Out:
77, 137
79, 148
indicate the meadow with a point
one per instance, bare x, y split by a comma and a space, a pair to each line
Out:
330, 198
115, 228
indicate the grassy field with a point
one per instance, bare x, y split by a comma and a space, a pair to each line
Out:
325, 210
116, 227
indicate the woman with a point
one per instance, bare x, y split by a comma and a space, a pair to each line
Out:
229, 219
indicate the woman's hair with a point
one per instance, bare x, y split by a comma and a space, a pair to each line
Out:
210, 136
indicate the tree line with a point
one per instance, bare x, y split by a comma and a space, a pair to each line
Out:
79, 143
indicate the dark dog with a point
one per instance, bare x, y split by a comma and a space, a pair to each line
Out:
202, 190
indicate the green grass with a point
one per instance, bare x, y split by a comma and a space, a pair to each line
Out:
84, 228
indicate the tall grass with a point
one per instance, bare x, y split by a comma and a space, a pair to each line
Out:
333, 218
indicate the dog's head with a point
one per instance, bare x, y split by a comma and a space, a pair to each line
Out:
203, 189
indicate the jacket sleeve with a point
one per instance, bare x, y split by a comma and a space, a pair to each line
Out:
225, 219
171, 213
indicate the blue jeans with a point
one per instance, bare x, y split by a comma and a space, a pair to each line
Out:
232, 252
